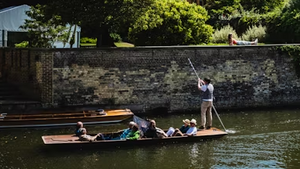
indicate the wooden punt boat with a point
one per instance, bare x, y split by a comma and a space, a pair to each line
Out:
63, 119
66, 141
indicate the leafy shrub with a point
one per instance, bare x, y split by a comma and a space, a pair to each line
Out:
23, 44
173, 22
88, 40
262, 6
116, 37
285, 28
217, 8
255, 32
248, 18
221, 35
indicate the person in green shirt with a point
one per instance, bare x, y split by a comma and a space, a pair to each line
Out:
134, 134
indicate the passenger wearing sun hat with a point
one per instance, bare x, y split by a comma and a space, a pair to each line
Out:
193, 129
179, 132
186, 126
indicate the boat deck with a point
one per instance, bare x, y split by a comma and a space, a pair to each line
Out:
73, 140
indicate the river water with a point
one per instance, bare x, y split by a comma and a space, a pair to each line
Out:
257, 139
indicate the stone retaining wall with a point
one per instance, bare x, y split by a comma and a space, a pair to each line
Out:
154, 77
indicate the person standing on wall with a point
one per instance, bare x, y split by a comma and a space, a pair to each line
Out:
207, 102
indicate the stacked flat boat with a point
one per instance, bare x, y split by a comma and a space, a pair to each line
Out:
63, 119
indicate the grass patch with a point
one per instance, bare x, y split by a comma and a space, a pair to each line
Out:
224, 44
124, 44
118, 44
88, 44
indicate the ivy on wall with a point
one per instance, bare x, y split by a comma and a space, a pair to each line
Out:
294, 52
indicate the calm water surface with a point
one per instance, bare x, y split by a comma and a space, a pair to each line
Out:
258, 139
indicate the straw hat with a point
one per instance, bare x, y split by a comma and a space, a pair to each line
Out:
186, 121
194, 121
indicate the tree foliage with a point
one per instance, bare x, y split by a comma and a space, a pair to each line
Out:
102, 17
171, 22
216, 8
262, 6
285, 27
43, 33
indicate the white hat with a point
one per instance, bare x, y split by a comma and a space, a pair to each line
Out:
132, 123
194, 121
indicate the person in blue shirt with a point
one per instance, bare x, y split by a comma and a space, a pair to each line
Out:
79, 129
125, 132
193, 129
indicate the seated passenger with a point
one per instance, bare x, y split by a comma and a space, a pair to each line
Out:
186, 126
154, 132
134, 133
86, 137
128, 130
190, 132
183, 129
125, 132
79, 128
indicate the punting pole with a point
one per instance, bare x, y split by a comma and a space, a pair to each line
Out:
212, 104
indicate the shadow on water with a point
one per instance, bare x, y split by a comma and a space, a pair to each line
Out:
90, 147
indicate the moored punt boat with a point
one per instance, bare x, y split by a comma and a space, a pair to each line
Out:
63, 119
72, 140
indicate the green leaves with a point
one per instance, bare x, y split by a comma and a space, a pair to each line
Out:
43, 32
285, 27
171, 22
219, 7
262, 6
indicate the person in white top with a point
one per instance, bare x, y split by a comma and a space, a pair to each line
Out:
193, 129
207, 102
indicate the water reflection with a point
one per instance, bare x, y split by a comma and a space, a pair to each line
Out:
260, 139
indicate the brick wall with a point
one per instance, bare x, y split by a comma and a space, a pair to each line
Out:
25, 68
152, 77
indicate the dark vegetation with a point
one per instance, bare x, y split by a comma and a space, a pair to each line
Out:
162, 22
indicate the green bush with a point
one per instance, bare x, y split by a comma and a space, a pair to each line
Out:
262, 6
23, 44
254, 32
221, 35
285, 27
173, 22
116, 37
88, 40
217, 8
248, 18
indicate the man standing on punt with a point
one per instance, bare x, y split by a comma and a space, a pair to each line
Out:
207, 102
